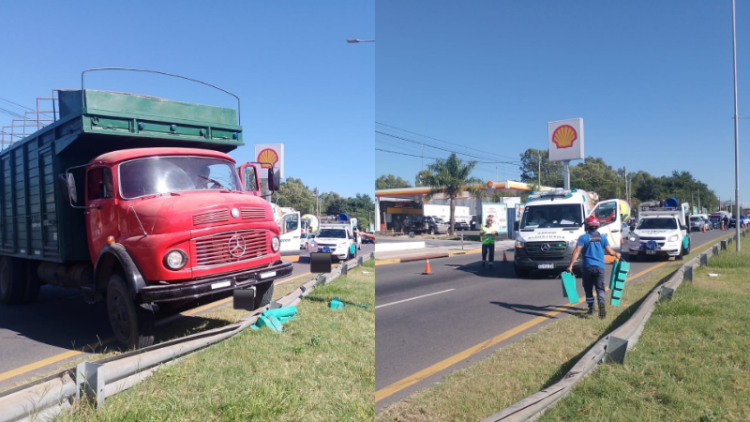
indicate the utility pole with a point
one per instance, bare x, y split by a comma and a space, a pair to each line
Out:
422, 157
539, 172
736, 136
495, 173
626, 184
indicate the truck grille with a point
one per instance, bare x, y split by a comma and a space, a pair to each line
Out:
229, 247
546, 249
252, 212
662, 239
217, 216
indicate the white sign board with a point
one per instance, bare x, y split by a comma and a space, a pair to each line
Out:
269, 155
444, 212
499, 213
565, 140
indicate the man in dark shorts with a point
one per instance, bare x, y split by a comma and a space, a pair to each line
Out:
593, 246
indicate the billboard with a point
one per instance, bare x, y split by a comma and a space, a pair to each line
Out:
565, 139
269, 155
499, 212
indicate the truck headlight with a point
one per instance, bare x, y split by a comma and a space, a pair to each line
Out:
275, 244
520, 244
572, 243
673, 238
175, 259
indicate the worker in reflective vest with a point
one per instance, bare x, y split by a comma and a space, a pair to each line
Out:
488, 233
593, 246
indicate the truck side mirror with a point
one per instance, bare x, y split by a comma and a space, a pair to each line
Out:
72, 192
249, 178
274, 179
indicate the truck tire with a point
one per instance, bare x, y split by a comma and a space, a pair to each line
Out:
432, 230
520, 272
131, 323
12, 281
263, 294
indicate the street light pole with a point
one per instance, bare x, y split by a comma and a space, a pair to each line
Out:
736, 131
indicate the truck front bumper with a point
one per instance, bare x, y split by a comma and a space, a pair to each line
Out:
522, 259
211, 285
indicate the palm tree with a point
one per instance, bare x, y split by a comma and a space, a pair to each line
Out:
451, 177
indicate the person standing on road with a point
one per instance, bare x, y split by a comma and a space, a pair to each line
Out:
593, 246
487, 231
725, 223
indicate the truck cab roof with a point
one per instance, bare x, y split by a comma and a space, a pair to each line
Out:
129, 154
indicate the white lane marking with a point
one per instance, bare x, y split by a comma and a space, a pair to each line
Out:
413, 298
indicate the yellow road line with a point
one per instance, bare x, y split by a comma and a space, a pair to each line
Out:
446, 363
89, 347
387, 261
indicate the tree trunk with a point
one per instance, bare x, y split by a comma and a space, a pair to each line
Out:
453, 217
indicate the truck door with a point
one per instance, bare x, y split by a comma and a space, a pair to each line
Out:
608, 213
290, 231
101, 219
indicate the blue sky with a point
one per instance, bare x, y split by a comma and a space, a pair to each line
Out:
300, 83
652, 81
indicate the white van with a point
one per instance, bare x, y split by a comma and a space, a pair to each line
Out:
553, 221
661, 232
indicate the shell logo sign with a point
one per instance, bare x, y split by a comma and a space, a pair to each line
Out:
267, 158
269, 155
564, 136
565, 140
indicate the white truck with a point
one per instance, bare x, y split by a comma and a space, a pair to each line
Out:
290, 229
553, 221
661, 232
336, 238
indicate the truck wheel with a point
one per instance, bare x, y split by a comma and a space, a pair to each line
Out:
521, 272
12, 281
263, 294
432, 230
131, 323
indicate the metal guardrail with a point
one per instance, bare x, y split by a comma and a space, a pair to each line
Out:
45, 399
610, 348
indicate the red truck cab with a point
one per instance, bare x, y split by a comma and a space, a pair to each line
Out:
170, 225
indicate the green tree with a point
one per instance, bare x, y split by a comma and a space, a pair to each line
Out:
390, 182
363, 208
293, 193
451, 177
551, 171
419, 180
596, 176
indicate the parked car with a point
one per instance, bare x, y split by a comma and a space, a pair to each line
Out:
304, 238
709, 223
431, 225
697, 224
461, 225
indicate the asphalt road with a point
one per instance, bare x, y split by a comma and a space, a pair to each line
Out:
458, 306
430, 243
60, 321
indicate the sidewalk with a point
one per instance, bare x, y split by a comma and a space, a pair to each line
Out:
392, 257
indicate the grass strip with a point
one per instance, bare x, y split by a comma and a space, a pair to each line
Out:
524, 367
322, 368
692, 362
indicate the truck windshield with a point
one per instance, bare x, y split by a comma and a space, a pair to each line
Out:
549, 216
657, 224
332, 234
158, 175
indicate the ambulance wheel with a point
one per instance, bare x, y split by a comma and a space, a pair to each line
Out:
680, 255
521, 272
132, 323
634, 258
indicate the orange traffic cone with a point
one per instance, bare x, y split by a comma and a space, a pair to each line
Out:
505, 258
427, 268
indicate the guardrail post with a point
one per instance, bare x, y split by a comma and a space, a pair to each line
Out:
666, 293
321, 279
687, 273
361, 260
704, 259
715, 250
344, 268
616, 350
90, 382
723, 245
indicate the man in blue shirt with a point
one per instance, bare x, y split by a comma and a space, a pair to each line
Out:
593, 245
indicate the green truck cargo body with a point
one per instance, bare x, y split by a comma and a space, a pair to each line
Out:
37, 221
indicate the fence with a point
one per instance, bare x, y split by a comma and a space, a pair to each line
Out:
610, 348
45, 399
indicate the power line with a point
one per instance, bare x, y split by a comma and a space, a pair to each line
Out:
445, 142
428, 145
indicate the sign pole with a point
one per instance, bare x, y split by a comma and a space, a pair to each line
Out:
736, 137
566, 177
